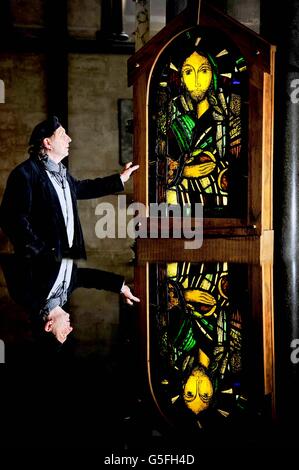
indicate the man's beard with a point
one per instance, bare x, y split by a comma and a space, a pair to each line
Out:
198, 95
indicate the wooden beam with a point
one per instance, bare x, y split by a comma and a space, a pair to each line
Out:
251, 250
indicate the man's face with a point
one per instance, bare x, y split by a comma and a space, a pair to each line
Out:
197, 75
59, 324
59, 143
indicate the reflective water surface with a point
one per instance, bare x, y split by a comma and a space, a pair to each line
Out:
70, 355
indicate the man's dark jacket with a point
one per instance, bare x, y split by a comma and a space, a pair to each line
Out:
31, 216
30, 281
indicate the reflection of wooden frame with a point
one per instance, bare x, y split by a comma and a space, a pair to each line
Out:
248, 241
259, 56
261, 370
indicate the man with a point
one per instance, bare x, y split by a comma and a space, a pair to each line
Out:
39, 209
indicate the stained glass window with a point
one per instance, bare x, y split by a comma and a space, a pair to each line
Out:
197, 340
197, 119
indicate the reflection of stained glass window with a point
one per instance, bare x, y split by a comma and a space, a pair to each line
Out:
197, 339
197, 121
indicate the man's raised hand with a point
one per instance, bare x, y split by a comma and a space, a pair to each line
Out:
127, 171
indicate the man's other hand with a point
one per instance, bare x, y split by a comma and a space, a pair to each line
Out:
128, 296
127, 171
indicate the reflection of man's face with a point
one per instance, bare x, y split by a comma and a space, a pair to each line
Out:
197, 75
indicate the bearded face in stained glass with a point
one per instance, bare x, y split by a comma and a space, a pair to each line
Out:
198, 116
197, 76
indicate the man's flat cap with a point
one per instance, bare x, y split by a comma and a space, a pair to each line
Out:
44, 129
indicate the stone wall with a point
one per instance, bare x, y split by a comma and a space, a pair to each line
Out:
96, 82
25, 104
245, 11
84, 18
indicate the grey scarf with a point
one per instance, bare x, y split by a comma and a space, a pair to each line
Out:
59, 297
57, 170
